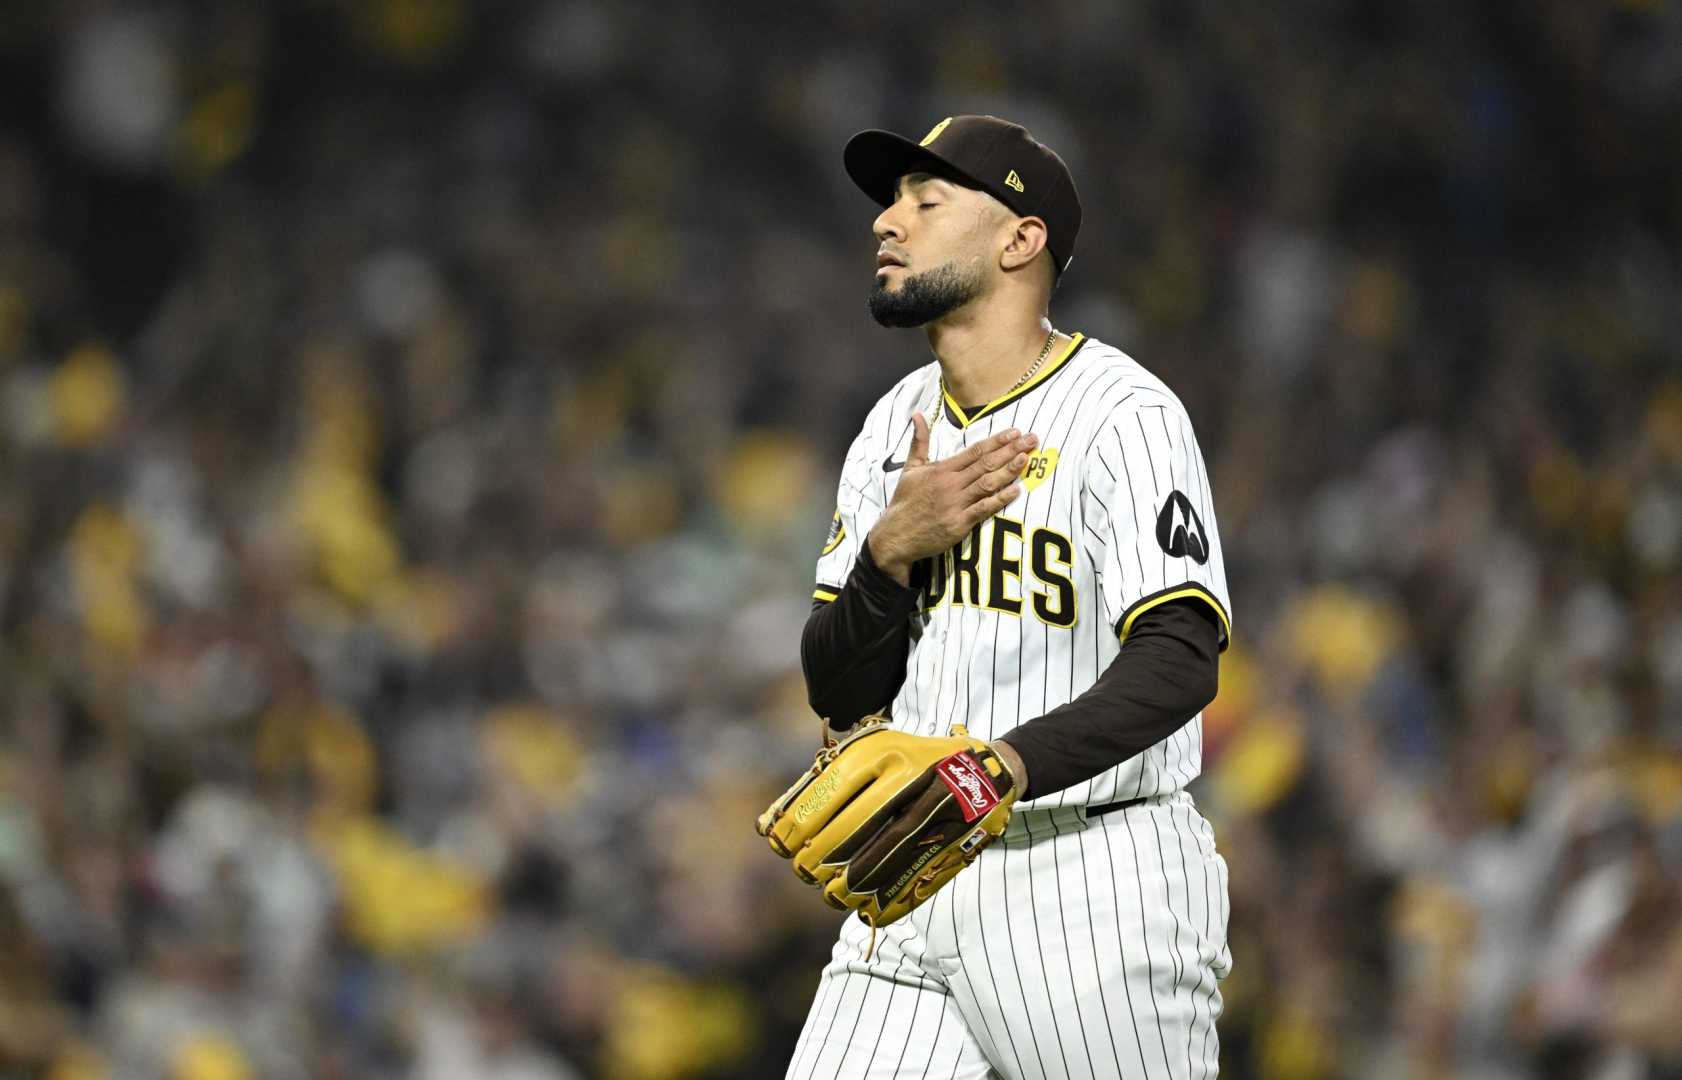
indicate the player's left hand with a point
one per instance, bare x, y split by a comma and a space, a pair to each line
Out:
884, 818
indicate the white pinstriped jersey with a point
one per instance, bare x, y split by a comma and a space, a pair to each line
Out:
1115, 517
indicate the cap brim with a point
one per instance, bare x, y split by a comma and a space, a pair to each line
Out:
877, 159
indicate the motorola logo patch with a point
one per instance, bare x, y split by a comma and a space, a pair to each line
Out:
1180, 531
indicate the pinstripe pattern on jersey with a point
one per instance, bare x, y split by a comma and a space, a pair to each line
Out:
1118, 977
1124, 444
890, 1017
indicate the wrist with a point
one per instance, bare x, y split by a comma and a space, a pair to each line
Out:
1013, 762
887, 560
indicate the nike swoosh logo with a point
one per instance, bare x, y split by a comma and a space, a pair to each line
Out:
890, 465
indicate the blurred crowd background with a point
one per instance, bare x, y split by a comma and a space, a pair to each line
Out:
419, 420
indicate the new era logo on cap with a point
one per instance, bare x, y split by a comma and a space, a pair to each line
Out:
983, 152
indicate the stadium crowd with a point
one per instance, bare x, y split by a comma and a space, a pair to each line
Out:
418, 421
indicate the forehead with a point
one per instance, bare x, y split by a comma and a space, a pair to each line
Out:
918, 179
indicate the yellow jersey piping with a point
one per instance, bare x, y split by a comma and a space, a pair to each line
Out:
964, 420
1179, 592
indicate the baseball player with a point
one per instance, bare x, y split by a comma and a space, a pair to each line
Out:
1024, 543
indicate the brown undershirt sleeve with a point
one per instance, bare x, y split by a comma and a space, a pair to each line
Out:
1165, 674
854, 648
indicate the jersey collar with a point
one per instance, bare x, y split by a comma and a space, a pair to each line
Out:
962, 419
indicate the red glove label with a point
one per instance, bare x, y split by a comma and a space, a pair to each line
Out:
967, 779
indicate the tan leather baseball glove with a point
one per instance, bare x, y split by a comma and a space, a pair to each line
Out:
883, 818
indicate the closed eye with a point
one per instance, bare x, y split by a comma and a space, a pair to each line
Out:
926, 205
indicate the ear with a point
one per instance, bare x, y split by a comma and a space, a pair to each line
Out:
1025, 241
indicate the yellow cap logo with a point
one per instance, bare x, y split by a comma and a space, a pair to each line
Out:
1040, 465
1013, 181
934, 132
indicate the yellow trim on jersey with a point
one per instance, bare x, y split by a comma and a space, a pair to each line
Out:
826, 595
965, 421
840, 535
1190, 591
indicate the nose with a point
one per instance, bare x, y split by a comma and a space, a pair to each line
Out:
887, 227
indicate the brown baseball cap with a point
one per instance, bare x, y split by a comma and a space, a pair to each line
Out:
983, 152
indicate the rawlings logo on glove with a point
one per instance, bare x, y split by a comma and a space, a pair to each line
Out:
964, 776
820, 794
883, 818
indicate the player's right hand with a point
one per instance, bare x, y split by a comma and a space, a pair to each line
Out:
937, 503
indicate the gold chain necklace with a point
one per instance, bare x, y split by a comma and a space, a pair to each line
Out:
1045, 350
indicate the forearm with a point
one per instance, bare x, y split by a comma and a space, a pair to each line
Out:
1166, 672
854, 648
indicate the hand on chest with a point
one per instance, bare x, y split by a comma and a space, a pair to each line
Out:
1020, 561
945, 442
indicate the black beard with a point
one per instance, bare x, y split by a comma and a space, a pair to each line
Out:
923, 298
